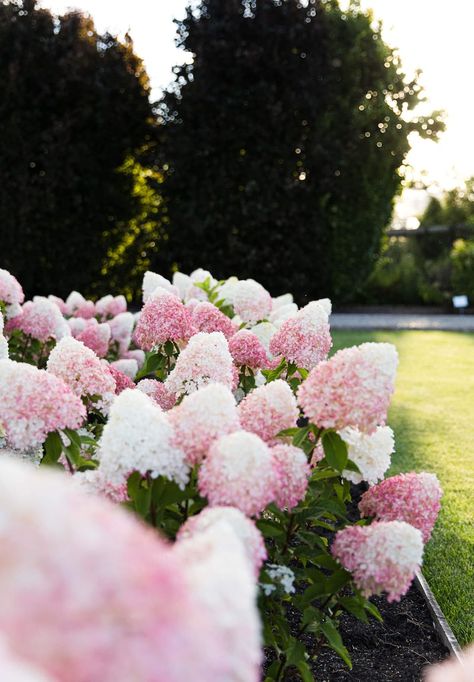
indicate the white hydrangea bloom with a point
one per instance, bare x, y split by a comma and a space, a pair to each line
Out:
182, 283
151, 280
252, 302
384, 356
283, 313
74, 301
222, 578
371, 453
44, 308
76, 325
138, 437
226, 291
282, 575
264, 331
128, 366
121, 327
283, 300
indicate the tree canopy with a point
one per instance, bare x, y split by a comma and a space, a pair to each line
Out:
281, 144
74, 106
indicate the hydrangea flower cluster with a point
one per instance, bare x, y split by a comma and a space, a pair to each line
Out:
207, 318
139, 437
251, 301
268, 410
80, 368
304, 339
238, 471
205, 360
33, 403
202, 418
11, 293
382, 557
247, 349
96, 337
41, 319
158, 392
3, 341
353, 388
371, 452
414, 498
163, 318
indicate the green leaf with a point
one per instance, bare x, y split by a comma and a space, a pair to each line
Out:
295, 652
319, 475
288, 432
301, 436
52, 448
305, 671
270, 529
334, 640
325, 561
133, 484
373, 610
352, 605
335, 450
73, 453
169, 348
73, 436
337, 580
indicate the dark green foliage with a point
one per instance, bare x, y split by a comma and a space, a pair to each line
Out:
73, 106
281, 144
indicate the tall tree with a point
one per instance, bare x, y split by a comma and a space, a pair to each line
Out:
73, 107
281, 143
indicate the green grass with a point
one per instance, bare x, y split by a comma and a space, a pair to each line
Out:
432, 415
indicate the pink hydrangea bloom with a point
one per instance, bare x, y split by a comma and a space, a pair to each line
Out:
11, 292
201, 418
205, 360
452, 670
268, 410
96, 337
135, 354
158, 392
59, 302
86, 310
238, 471
414, 498
122, 381
134, 615
221, 577
353, 388
41, 319
207, 318
33, 403
3, 341
128, 366
82, 370
252, 302
293, 472
163, 318
382, 557
245, 529
121, 328
151, 282
247, 349
304, 339
317, 456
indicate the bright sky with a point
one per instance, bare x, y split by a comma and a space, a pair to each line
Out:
430, 34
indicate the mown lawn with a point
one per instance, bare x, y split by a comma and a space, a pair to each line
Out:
432, 415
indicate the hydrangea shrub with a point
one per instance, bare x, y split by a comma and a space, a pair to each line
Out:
216, 416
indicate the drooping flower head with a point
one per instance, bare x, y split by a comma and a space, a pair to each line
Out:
414, 498
34, 403
207, 318
96, 337
221, 576
382, 557
11, 293
252, 302
238, 471
268, 410
158, 392
247, 349
205, 360
245, 529
135, 614
201, 418
41, 319
293, 473
370, 451
139, 437
304, 339
353, 388
163, 318
82, 370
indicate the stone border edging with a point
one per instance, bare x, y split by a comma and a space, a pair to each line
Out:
441, 624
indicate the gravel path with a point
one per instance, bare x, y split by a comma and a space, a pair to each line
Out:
458, 323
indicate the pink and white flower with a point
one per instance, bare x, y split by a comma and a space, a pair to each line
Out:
41, 319
11, 293
382, 557
163, 318
158, 392
269, 409
247, 349
293, 472
207, 318
238, 471
252, 302
370, 451
96, 337
414, 498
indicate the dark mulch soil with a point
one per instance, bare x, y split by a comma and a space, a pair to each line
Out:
396, 650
